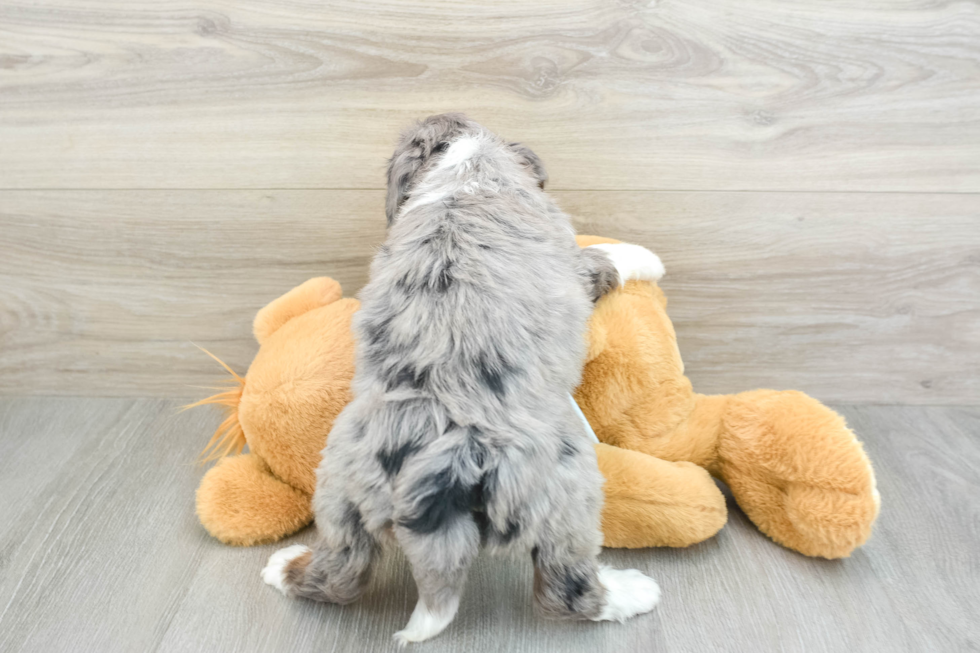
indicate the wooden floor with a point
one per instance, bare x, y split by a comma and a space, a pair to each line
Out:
100, 551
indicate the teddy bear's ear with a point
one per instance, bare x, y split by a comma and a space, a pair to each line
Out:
314, 293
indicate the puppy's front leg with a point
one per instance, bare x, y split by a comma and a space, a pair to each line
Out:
608, 266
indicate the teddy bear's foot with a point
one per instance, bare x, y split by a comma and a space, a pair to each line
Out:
241, 503
798, 472
815, 521
652, 502
830, 524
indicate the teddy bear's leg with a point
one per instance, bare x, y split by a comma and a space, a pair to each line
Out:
798, 472
241, 503
652, 502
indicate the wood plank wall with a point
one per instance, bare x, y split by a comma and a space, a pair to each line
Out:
809, 173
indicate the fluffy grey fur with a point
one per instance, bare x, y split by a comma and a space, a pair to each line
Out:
471, 335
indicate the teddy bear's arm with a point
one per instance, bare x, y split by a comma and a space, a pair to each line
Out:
309, 295
241, 503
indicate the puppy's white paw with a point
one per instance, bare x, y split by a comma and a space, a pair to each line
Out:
633, 262
274, 572
628, 593
425, 624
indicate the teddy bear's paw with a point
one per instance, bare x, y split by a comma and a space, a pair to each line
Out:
633, 262
628, 593
274, 572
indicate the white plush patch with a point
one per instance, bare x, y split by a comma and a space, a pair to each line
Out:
633, 262
425, 624
459, 150
274, 572
628, 593
585, 422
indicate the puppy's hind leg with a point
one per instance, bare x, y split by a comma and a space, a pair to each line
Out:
568, 582
568, 585
337, 568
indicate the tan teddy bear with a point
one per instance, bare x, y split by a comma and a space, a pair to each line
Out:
791, 463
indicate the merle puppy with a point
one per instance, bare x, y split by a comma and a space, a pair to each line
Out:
470, 338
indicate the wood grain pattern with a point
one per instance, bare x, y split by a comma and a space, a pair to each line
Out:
101, 551
109, 293
851, 297
703, 95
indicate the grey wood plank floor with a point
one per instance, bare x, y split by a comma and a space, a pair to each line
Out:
100, 551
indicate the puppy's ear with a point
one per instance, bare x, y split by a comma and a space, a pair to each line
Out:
402, 168
532, 162
416, 145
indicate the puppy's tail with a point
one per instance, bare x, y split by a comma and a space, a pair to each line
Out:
229, 437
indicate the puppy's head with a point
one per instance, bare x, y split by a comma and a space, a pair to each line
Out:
418, 145
427, 140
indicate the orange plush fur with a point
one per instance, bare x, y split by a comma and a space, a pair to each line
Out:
791, 463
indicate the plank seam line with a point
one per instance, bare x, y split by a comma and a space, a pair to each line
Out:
550, 190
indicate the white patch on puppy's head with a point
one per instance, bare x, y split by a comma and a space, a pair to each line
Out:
460, 150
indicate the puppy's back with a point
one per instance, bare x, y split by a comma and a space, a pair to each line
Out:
474, 299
